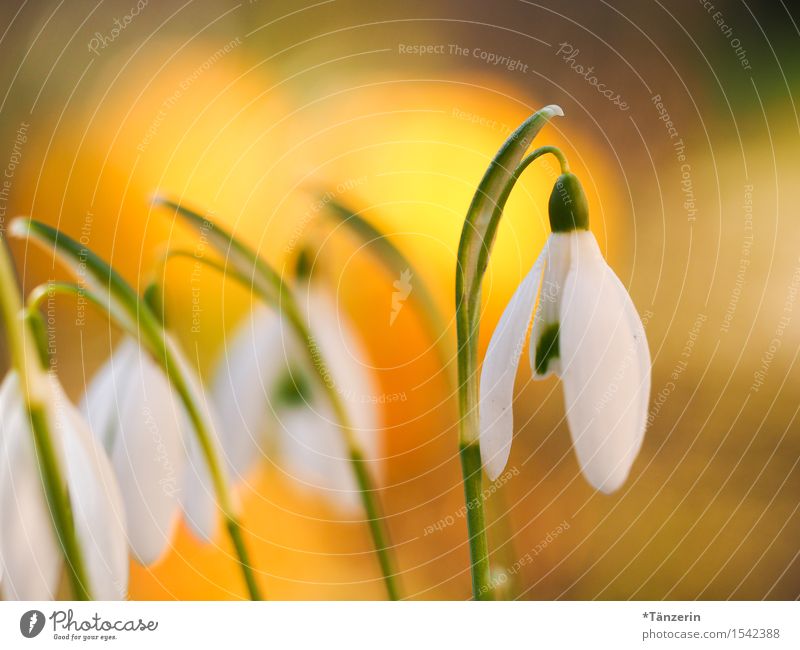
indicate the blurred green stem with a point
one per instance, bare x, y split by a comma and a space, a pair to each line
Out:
366, 487
256, 275
131, 314
26, 361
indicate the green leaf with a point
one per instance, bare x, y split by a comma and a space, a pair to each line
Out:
21, 343
483, 215
103, 282
397, 264
249, 266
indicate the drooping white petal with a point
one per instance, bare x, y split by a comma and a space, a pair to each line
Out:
95, 501
145, 425
500, 370
312, 445
107, 392
348, 364
198, 497
314, 455
243, 377
29, 551
605, 368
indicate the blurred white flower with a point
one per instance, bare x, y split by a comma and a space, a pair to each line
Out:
268, 394
138, 416
586, 331
30, 552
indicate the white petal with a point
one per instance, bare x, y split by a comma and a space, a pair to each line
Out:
605, 368
96, 504
198, 496
314, 454
146, 425
500, 369
107, 390
29, 550
242, 379
348, 365
312, 444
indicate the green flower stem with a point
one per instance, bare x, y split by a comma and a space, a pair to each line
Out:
366, 487
396, 262
504, 538
476, 521
130, 313
255, 274
33, 381
173, 253
537, 153
477, 238
191, 402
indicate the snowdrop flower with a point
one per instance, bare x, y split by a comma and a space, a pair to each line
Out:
139, 418
271, 400
587, 332
30, 553
58, 496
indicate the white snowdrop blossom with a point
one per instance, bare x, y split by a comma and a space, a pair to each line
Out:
30, 553
270, 397
136, 413
587, 332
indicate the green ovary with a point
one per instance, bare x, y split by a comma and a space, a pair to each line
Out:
293, 389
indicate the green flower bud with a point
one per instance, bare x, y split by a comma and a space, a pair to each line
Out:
568, 207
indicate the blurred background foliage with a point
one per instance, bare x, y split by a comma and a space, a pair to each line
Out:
252, 110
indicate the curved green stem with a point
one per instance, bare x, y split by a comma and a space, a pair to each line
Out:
537, 153
255, 274
175, 371
366, 487
187, 254
477, 239
396, 262
32, 379
131, 314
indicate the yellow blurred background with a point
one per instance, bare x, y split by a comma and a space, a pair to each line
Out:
250, 109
